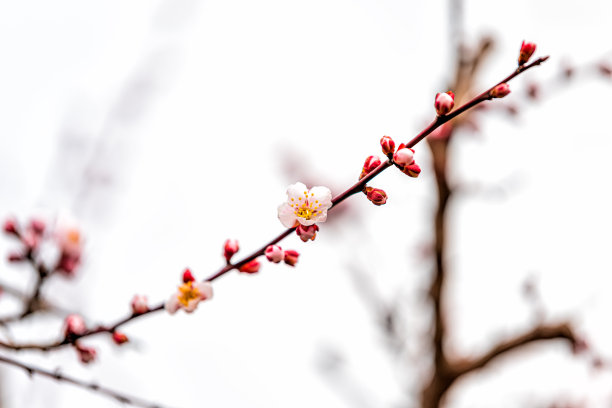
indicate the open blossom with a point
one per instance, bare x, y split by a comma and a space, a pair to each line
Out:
139, 304
74, 325
188, 296
304, 206
70, 243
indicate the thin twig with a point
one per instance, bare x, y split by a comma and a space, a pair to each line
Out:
119, 397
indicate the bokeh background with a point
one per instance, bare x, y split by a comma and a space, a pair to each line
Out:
165, 127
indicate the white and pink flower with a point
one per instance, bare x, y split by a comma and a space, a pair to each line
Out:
139, 304
188, 296
304, 206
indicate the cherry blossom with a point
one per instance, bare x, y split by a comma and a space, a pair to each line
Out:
188, 296
304, 206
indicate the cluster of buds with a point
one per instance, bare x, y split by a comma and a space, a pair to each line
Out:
275, 254
444, 103
189, 294
64, 237
74, 327
403, 158
527, 50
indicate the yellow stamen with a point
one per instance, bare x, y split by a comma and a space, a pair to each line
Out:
188, 293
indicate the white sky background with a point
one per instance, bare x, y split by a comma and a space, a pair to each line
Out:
180, 113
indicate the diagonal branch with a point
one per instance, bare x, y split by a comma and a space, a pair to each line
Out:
121, 398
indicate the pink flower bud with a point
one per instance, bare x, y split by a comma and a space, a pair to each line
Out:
230, 248
376, 195
74, 325
120, 338
274, 253
371, 163
307, 233
527, 50
388, 145
444, 103
187, 276
291, 257
403, 157
67, 265
250, 267
86, 354
37, 226
10, 226
412, 170
500, 91
139, 304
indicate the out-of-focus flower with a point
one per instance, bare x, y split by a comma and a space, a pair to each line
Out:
274, 253
70, 243
376, 195
444, 102
500, 90
388, 145
291, 257
307, 233
139, 304
527, 50
230, 248
119, 338
86, 354
74, 325
304, 206
10, 226
250, 267
188, 296
37, 226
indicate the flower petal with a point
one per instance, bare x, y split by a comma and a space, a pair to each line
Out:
206, 290
296, 191
321, 194
286, 215
172, 304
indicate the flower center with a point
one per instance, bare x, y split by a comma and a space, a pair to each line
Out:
188, 293
304, 208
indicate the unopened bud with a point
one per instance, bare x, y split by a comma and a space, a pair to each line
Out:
413, 170
500, 91
307, 232
230, 248
403, 157
37, 226
376, 195
444, 103
187, 276
291, 257
250, 267
527, 50
371, 163
74, 325
139, 304
120, 338
86, 354
10, 226
388, 145
274, 253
